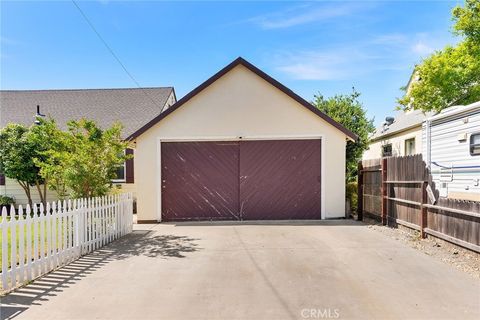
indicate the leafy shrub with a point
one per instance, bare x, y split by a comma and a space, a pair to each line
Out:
6, 201
351, 194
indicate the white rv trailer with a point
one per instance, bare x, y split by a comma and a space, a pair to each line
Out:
451, 149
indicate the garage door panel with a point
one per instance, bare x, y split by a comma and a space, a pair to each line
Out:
247, 180
280, 179
199, 181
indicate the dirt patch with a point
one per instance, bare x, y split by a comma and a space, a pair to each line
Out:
462, 259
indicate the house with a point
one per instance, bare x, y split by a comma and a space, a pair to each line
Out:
241, 146
449, 142
451, 149
132, 107
398, 136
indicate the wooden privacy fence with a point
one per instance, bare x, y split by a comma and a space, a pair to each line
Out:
400, 190
37, 240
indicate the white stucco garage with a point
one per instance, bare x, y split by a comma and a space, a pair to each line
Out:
240, 146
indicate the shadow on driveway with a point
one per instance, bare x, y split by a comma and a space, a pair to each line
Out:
332, 222
138, 243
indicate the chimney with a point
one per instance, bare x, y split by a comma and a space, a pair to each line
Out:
38, 115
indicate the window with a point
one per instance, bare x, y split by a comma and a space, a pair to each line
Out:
125, 170
120, 174
410, 147
387, 150
475, 144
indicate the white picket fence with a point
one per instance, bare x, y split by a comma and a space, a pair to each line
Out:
38, 240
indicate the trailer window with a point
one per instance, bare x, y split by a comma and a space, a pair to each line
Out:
475, 144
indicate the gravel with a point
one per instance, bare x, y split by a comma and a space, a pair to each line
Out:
462, 259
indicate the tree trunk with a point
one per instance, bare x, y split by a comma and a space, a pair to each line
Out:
26, 187
45, 190
43, 196
39, 191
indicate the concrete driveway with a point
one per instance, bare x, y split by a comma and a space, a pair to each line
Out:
315, 270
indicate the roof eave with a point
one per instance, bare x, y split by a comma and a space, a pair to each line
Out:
396, 132
240, 61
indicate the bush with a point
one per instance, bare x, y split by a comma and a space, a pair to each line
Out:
6, 201
352, 196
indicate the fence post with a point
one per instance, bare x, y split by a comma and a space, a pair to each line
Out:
360, 192
424, 209
384, 192
5, 225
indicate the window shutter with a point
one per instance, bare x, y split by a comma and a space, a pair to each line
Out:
2, 180
129, 172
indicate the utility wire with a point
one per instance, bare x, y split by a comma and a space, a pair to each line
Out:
113, 54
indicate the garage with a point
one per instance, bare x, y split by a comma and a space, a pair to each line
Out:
241, 180
240, 146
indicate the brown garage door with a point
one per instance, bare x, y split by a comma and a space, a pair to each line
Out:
280, 179
247, 180
199, 181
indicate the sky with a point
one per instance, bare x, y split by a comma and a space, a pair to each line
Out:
311, 47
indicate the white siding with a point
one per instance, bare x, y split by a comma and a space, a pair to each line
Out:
13, 189
398, 143
171, 100
456, 173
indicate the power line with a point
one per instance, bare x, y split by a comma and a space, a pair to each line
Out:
113, 53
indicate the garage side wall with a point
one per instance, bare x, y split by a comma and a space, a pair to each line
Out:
240, 104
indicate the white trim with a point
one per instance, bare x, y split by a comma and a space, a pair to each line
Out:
159, 181
428, 137
454, 110
124, 180
322, 178
239, 138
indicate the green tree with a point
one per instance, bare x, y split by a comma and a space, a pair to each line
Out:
51, 142
90, 158
349, 111
467, 20
17, 158
450, 76
80, 162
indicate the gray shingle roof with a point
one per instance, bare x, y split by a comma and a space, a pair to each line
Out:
403, 120
132, 107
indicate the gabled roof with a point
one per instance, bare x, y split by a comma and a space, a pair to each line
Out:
403, 121
260, 73
133, 107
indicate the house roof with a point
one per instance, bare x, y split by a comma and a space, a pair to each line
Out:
133, 107
260, 73
403, 121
